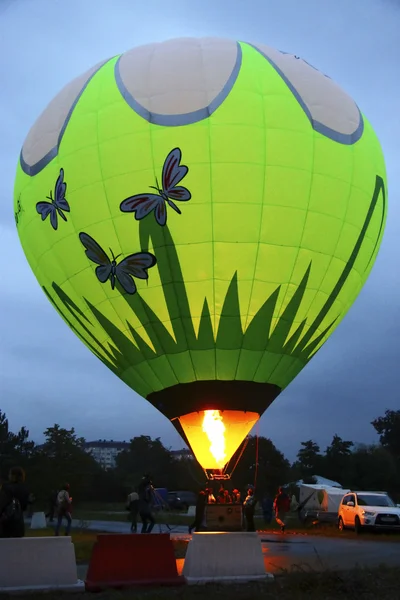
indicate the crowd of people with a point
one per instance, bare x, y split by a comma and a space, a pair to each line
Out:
140, 503
280, 506
15, 500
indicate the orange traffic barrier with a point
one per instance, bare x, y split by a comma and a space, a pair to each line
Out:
125, 560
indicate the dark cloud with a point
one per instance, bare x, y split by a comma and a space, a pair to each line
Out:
47, 374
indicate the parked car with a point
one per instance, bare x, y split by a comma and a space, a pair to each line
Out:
368, 510
181, 500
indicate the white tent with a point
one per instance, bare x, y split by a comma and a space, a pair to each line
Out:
322, 481
322, 498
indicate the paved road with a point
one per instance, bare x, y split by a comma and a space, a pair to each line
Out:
124, 526
292, 552
296, 552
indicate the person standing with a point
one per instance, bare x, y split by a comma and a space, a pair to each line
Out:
199, 514
64, 502
249, 506
133, 507
281, 508
221, 495
235, 496
145, 491
228, 497
14, 498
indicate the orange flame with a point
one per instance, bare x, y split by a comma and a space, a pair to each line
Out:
214, 428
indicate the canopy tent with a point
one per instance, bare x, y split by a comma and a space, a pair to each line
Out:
321, 497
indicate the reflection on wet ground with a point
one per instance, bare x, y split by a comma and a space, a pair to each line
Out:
290, 553
296, 552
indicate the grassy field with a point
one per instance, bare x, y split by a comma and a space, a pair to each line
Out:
305, 585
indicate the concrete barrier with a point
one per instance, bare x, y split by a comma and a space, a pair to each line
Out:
38, 521
224, 558
38, 563
122, 561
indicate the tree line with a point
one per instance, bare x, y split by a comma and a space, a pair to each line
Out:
62, 458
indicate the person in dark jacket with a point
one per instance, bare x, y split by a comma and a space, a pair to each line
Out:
64, 508
249, 506
200, 510
281, 507
221, 495
236, 496
14, 497
146, 491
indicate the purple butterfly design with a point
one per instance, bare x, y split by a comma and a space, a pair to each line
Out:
57, 205
143, 204
134, 265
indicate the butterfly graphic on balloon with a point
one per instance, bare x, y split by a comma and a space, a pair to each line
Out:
172, 173
58, 204
19, 211
134, 265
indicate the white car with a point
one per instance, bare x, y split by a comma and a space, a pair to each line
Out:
362, 510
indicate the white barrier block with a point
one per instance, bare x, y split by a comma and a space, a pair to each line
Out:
191, 511
224, 557
38, 521
38, 563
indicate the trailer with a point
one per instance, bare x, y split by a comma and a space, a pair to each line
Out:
319, 502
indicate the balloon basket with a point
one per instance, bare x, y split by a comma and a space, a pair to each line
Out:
224, 517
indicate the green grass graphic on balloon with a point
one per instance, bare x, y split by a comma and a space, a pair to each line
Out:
123, 354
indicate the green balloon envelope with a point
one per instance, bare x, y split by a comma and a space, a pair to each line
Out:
202, 213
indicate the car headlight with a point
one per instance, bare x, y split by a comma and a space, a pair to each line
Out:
367, 513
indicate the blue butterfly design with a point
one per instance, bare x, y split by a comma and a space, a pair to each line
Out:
143, 204
57, 205
134, 265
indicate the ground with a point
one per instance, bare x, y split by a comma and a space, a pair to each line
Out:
282, 553
356, 584
307, 563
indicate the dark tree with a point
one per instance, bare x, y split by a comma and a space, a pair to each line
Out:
388, 429
261, 463
146, 455
336, 460
15, 448
372, 468
309, 459
62, 459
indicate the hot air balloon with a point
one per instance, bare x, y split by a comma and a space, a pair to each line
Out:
202, 213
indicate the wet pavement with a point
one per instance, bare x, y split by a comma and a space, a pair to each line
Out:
317, 553
124, 527
283, 553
